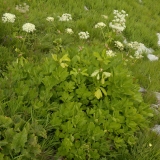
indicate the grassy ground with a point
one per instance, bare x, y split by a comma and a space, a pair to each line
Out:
142, 25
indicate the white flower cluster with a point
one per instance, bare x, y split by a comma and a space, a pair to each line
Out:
134, 45
69, 31
140, 49
22, 8
83, 35
65, 17
8, 17
28, 27
118, 23
138, 55
110, 53
50, 19
100, 25
119, 45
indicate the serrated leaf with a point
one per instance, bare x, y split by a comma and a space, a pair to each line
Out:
65, 58
5, 121
97, 55
98, 94
39, 130
19, 141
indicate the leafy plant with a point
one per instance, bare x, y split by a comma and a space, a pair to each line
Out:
19, 139
89, 103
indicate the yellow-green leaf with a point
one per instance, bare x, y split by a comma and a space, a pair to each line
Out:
54, 56
104, 91
98, 94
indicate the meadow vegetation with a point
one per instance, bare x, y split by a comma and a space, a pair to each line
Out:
70, 75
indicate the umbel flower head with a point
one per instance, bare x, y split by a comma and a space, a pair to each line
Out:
23, 8
69, 31
28, 27
83, 35
50, 19
8, 17
65, 17
118, 23
100, 25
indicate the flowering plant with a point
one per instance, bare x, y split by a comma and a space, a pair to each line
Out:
28, 27
22, 8
69, 31
8, 17
100, 25
118, 23
50, 19
65, 17
83, 35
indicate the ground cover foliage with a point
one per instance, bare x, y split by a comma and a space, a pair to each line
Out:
70, 82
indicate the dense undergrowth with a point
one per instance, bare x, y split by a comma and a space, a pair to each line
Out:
70, 79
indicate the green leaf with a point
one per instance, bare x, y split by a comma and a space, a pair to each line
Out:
104, 91
97, 55
115, 125
5, 121
38, 130
95, 73
54, 56
65, 58
98, 94
19, 141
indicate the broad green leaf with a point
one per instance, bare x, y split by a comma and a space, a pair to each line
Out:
39, 130
97, 55
98, 94
103, 90
65, 58
95, 73
5, 121
106, 74
115, 125
54, 56
19, 141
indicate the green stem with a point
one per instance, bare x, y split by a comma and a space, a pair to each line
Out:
24, 41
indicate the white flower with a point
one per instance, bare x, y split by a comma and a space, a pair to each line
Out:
119, 45
69, 31
22, 8
83, 35
118, 23
110, 53
100, 25
65, 17
50, 19
138, 55
28, 27
8, 17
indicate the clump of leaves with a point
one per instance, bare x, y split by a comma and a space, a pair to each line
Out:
89, 103
19, 139
5, 57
